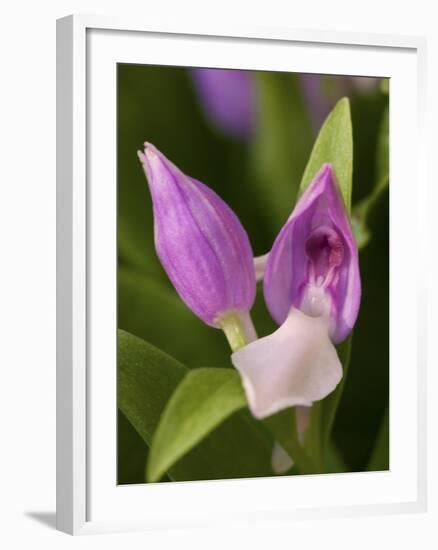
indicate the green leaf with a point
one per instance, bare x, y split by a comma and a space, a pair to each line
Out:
203, 400
380, 457
147, 378
366, 112
364, 208
334, 462
132, 453
152, 310
282, 144
382, 164
361, 232
334, 144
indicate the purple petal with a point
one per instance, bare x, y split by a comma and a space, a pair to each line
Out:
295, 365
200, 242
228, 99
319, 215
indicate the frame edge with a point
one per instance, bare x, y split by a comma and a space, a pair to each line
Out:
70, 277
71, 449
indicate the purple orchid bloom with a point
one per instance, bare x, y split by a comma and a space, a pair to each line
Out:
228, 98
312, 289
200, 242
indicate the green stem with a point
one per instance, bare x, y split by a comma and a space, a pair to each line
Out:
323, 412
238, 328
283, 426
240, 331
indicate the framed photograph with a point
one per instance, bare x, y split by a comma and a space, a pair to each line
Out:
240, 286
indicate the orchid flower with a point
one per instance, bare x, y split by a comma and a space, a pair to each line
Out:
228, 98
312, 290
202, 247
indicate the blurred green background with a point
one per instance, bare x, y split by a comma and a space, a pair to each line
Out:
258, 177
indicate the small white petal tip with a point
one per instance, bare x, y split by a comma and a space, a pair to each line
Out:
281, 462
260, 266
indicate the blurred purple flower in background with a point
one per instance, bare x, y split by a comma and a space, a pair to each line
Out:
312, 289
227, 97
317, 104
200, 242
321, 92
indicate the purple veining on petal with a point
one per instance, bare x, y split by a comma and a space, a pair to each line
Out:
316, 250
228, 98
200, 241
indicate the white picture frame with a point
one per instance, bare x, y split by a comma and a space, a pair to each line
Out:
87, 500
